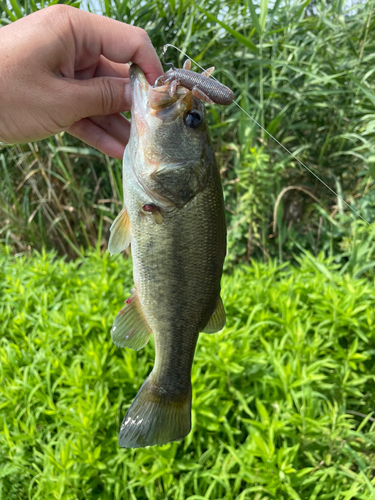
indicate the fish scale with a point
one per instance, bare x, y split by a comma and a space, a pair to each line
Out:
173, 217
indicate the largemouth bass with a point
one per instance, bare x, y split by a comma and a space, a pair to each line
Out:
173, 217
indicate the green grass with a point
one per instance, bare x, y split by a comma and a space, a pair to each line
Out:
283, 402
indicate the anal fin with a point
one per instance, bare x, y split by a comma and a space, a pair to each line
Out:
120, 233
130, 328
217, 319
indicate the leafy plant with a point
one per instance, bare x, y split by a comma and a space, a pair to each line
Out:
282, 403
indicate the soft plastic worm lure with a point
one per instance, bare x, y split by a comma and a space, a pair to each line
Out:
201, 86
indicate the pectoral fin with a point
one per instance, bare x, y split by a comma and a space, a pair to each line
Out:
217, 319
120, 233
130, 328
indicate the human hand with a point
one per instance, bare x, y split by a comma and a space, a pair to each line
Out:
65, 69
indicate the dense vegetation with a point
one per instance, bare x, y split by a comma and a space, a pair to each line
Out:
302, 70
283, 401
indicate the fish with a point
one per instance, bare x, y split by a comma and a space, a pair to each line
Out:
173, 218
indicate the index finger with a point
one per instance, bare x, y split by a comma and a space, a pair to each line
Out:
119, 42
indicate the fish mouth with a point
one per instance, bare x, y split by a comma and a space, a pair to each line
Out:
139, 90
148, 101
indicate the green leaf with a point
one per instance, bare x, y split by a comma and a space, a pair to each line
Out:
16, 8
240, 38
368, 93
263, 13
254, 16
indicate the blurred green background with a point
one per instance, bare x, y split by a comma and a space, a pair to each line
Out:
304, 71
283, 401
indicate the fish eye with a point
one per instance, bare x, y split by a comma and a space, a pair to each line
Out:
193, 119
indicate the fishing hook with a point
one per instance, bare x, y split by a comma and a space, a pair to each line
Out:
165, 48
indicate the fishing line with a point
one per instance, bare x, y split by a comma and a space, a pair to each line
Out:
165, 48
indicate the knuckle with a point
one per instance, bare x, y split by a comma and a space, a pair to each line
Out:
58, 10
141, 33
107, 96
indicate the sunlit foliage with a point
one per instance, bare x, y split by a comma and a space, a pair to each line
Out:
283, 401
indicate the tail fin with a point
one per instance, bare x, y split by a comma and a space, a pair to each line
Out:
155, 418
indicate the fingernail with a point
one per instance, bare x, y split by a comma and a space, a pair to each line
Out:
128, 95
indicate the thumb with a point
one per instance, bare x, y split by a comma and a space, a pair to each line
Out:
99, 96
